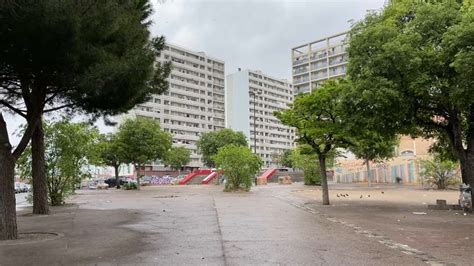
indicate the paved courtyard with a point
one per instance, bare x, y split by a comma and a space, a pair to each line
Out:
272, 225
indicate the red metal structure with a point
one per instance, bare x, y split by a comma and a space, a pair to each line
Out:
268, 174
194, 174
209, 178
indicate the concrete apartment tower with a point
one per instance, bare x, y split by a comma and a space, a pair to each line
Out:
252, 96
318, 61
194, 103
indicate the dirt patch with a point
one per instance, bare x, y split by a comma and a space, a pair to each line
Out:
401, 214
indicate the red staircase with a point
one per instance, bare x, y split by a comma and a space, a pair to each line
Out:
194, 174
210, 177
268, 174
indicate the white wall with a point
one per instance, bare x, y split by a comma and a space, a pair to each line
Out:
237, 102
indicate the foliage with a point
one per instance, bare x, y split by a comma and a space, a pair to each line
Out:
318, 118
177, 157
240, 166
412, 67
68, 146
285, 159
98, 56
141, 141
304, 159
440, 173
210, 143
130, 186
107, 151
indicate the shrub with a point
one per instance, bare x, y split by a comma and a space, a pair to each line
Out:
130, 186
440, 173
308, 163
240, 166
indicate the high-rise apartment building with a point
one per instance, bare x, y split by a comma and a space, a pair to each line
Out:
194, 103
251, 98
318, 61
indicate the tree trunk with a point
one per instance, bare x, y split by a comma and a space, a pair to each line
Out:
117, 179
467, 170
138, 177
324, 178
367, 164
40, 186
8, 228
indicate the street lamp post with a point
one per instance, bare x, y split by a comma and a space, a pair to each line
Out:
254, 94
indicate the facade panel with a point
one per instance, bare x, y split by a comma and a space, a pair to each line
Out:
318, 61
253, 96
194, 103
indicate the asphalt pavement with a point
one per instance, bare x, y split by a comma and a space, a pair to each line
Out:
21, 199
200, 225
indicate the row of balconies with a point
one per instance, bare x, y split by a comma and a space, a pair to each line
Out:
192, 58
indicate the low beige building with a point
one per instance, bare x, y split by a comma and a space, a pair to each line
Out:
405, 165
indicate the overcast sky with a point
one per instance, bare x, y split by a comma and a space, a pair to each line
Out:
256, 34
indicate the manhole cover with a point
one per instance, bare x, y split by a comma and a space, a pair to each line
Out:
32, 237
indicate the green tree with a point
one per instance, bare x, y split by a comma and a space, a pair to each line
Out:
141, 141
440, 173
177, 157
284, 159
68, 147
109, 153
413, 68
240, 165
94, 57
305, 159
318, 119
210, 143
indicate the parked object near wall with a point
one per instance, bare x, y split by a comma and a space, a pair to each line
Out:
284, 180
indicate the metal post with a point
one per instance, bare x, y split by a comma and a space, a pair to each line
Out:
254, 125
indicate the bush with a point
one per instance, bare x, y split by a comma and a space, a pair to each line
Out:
308, 163
440, 173
312, 176
130, 186
67, 149
240, 166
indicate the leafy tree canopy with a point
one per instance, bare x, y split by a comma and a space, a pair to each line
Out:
142, 141
177, 157
210, 143
95, 55
107, 151
318, 118
412, 65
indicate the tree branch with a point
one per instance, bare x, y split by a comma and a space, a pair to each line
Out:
26, 136
57, 108
14, 109
51, 97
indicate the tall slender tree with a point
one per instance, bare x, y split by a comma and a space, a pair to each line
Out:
318, 119
94, 57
